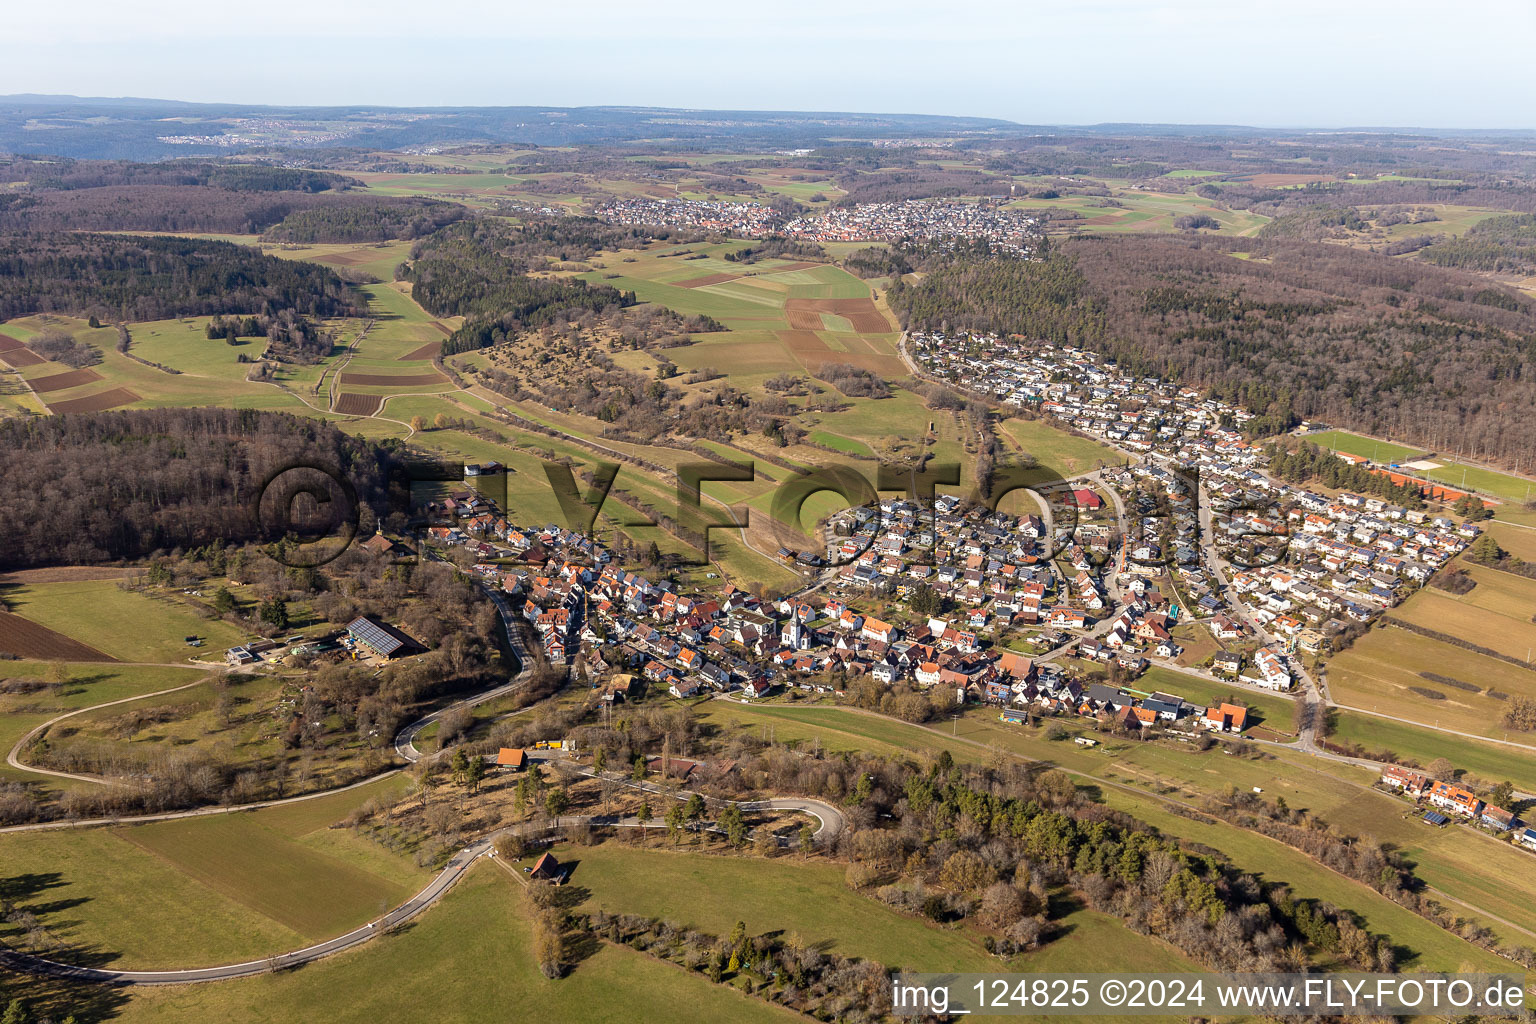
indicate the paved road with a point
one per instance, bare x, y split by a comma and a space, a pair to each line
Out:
1313, 698
405, 739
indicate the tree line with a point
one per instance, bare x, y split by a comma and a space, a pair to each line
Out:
1500, 245
139, 278
66, 174
478, 270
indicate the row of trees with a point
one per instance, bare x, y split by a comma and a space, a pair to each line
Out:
65, 174
1308, 463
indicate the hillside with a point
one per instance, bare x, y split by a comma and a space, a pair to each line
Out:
1291, 330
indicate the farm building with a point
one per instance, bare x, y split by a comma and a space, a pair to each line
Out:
511, 758
547, 867
381, 638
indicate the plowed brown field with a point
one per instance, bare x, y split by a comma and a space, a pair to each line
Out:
350, 403
60, 381
393, 380
26, 639
95, 403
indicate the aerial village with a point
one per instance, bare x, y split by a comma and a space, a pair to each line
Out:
920, 220
1050, 612
1026, 607
1030, 602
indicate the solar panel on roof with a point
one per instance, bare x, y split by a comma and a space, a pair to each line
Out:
374, 636
1436, 818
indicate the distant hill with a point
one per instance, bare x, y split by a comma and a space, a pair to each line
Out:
137, 129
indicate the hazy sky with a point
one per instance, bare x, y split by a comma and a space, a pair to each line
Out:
1259, 62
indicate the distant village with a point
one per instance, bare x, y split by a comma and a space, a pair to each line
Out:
918, 220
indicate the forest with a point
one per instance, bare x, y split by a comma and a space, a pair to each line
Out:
478, 269
66, 174
124, 277
1300, 331
1500, 245
365, 219
926, 181
534, 240
188, 196
107, 486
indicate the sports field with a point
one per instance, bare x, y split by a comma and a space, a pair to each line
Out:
1450, 472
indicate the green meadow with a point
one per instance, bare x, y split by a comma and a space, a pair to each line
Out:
143, 626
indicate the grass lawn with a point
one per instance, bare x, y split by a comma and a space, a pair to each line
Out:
1277, 713
1487, 761
471, 959
841, 443
712, 893
1144, 211
1055, 449
87, 684
224, 887
1512, 529
122, 902
809, 899
265, 870
1496, 614
147, 625
1366, 447
1380, 669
